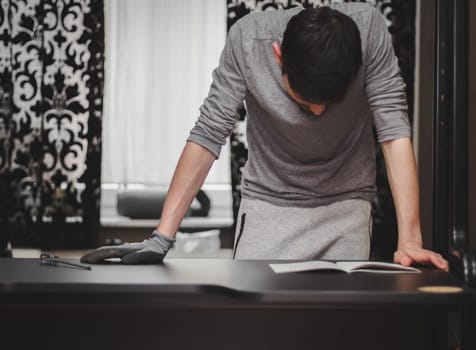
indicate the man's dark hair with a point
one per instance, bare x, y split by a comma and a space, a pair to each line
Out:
321, 54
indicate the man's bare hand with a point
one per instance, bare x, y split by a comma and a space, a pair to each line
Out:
412, 253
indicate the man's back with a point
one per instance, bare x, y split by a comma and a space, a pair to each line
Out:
296, 158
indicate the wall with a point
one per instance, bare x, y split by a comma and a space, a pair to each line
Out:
472, 124
424, 113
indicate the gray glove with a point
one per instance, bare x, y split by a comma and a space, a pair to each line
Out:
150, 251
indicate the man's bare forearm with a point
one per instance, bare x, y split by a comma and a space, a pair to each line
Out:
403, 179
190, 173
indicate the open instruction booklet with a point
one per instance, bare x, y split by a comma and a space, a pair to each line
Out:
345, 266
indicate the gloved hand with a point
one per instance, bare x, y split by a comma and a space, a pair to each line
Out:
150, 251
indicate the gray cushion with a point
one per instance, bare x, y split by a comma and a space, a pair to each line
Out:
148, 204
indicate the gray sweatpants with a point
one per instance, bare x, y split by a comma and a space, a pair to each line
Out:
340, 231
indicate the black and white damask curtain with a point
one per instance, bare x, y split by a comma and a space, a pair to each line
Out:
51, 89
400, 15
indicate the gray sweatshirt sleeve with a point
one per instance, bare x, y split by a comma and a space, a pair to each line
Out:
219, 111
385, 87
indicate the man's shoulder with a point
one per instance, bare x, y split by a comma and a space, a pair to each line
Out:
363, 14
354, 8
271, 15
268, 23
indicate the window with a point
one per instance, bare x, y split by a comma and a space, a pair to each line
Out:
159, 60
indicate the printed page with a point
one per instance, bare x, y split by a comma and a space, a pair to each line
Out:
305, 266
345, 266
374, 266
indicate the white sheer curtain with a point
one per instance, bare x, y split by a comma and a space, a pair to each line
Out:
159, 59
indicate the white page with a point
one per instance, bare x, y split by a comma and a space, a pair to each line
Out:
374, 266
346, 266
305, 266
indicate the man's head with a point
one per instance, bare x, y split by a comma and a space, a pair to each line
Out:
319, 57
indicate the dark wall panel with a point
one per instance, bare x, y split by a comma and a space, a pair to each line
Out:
472, 124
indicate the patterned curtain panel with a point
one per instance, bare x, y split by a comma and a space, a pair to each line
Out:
400, 16
51, 74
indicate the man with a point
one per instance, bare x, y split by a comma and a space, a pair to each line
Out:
314, 82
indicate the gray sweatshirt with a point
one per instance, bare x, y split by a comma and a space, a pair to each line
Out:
294, 157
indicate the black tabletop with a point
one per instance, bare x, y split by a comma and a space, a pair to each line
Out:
224, 282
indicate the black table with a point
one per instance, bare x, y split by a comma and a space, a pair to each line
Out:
221, 304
